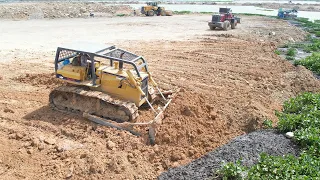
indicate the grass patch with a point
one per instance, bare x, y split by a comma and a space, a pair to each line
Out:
313, 47
267, 123
277, 52
300, 115
232, 170
295, 45
121, 15
290, 58
203, 12
249, 14
291, 52
311, 62
311, 27
181, 12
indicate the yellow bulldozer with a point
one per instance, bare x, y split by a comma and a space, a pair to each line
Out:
107, 85
152, 9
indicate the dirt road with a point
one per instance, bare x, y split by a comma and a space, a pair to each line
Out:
22, 38
230, 82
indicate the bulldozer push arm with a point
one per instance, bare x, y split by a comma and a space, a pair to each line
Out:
127, 125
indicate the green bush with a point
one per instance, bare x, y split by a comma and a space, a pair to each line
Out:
317, 33
267, 123
300, 112
290, 58
232, 171
291, 52
277, 52
309, 37
311, 62
288, 167
308, 137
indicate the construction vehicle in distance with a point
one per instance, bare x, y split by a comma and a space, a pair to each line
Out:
107, 85
223, 20
152, 9
287, 13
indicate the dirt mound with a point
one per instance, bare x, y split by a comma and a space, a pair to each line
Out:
54, 10
48, 80
192, 122
247, 147
221, 96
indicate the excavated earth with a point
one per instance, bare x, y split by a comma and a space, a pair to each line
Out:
227, 84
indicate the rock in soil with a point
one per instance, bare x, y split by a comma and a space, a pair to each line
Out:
289, 135
248, 147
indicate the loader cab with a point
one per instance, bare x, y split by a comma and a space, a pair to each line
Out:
152, 3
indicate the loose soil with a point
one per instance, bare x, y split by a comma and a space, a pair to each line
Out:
229, 82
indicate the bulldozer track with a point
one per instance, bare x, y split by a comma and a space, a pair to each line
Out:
82, 99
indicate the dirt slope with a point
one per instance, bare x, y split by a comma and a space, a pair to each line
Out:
222, 95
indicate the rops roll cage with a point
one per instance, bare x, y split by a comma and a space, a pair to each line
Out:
111, 53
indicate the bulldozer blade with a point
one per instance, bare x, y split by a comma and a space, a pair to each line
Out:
101, 121
127, 126
156, 121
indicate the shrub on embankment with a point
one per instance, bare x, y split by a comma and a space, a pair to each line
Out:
300, 115
311, 62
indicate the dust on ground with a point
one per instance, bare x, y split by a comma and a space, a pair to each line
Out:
230, 82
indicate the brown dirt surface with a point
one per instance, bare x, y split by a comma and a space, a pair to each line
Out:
48, 80
229, 82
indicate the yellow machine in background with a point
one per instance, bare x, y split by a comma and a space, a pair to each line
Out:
152, 9
108, 84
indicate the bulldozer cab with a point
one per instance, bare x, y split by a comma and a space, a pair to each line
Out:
84, 63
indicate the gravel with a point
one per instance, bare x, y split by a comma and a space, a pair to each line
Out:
248, 147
